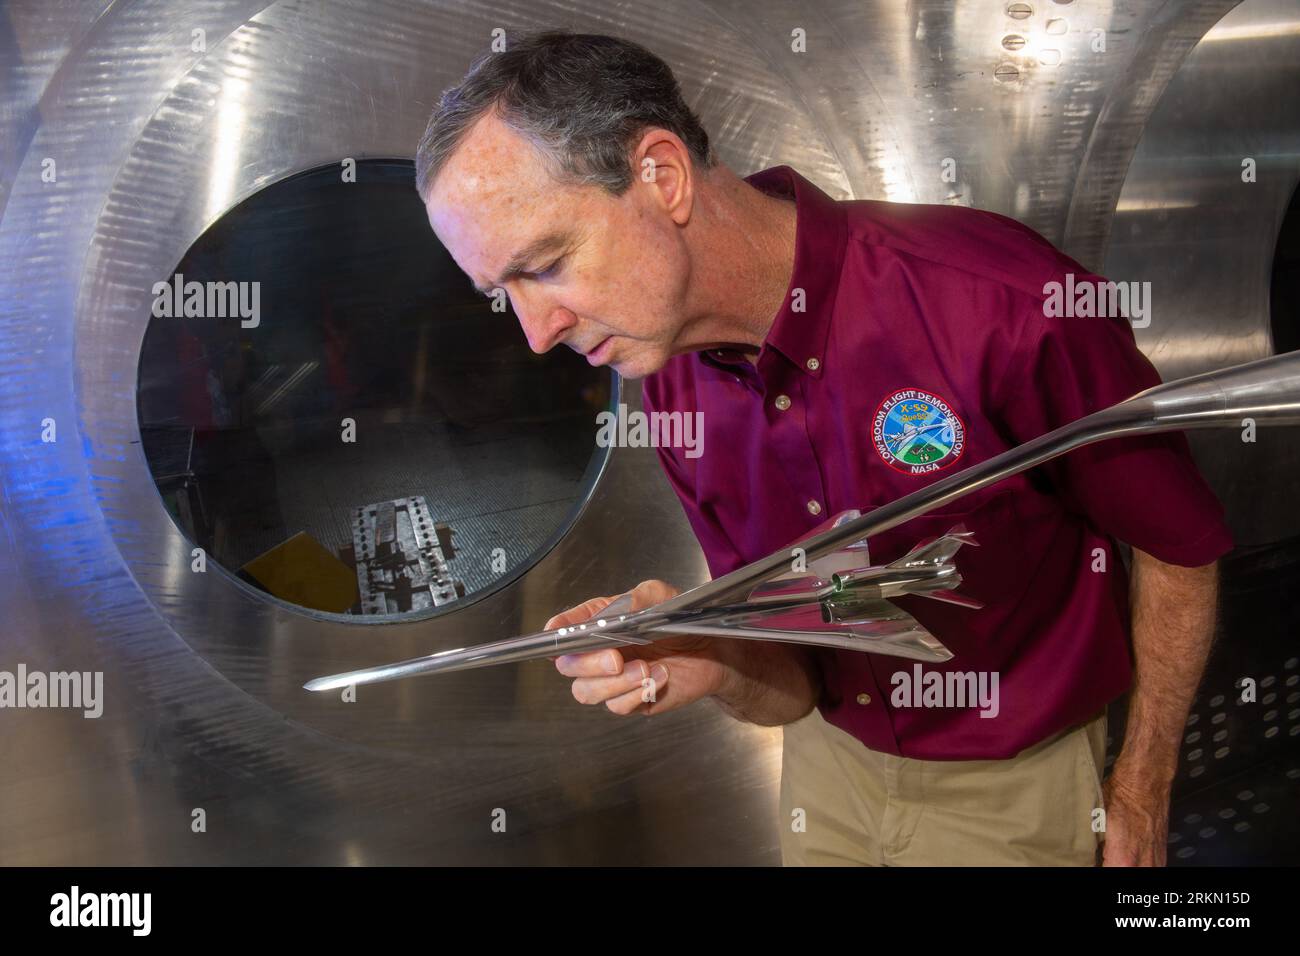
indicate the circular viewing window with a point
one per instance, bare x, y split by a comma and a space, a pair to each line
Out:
1285, 291
333, 414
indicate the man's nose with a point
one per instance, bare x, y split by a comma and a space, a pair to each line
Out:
543, 323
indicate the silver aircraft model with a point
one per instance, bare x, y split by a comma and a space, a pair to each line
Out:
824, 591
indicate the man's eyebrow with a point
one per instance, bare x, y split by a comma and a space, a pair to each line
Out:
548, 242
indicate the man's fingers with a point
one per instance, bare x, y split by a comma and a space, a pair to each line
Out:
602, 663
638, 678
643, 595
597, 690
648, 691
576, 615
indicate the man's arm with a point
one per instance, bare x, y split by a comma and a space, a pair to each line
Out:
1173, 617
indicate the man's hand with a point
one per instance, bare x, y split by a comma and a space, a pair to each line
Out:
649, 678
1137, 821
759, 682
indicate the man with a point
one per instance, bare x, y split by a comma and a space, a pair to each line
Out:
844, 354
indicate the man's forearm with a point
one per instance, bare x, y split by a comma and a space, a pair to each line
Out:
768, 683
1173, 616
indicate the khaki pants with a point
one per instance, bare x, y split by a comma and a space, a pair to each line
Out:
866, 808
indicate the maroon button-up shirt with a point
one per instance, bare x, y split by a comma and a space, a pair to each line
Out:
916, 340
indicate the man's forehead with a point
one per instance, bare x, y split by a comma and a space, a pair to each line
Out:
492, 165
498, 205
494, 176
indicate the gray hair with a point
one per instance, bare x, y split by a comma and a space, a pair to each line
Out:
581, 99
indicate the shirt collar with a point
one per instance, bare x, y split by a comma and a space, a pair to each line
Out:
801, 327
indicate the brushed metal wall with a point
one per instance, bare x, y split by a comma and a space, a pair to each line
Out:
1202, 229
154, 136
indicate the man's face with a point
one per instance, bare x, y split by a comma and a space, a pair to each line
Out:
605, 275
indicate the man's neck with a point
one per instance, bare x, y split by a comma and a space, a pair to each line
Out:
743, 263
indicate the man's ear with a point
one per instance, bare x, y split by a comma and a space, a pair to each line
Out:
664, 163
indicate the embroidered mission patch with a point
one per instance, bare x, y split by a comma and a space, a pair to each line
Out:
917, 432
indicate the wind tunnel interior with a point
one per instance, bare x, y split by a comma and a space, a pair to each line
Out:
474, 502
465, 447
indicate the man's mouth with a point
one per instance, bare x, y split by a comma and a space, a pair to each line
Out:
596, 356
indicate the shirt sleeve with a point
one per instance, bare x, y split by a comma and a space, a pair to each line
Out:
1144, 490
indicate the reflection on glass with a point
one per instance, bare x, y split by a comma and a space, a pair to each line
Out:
331, 412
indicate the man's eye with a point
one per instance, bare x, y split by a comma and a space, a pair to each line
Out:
553, 268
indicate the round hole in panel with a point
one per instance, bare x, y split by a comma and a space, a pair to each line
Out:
335, 416
1284, 288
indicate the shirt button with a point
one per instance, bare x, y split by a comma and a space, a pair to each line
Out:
813, 364
782, 402
814, 508
864, 699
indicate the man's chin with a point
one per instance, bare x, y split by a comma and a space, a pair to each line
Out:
637, 366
